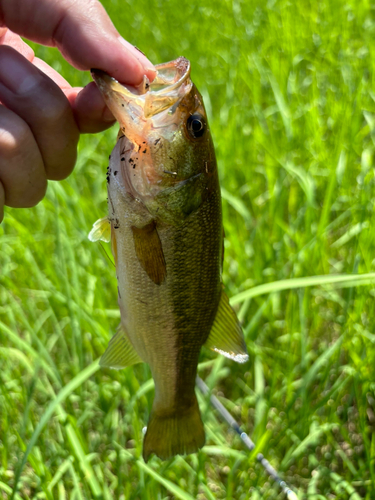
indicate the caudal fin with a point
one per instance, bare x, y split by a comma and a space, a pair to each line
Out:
175, 434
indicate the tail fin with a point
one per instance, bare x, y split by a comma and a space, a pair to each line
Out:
174, 434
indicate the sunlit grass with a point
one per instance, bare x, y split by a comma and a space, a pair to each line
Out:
290, 92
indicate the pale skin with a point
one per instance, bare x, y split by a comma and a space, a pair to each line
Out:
41, 115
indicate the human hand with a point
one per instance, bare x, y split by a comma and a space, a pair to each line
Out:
41, 115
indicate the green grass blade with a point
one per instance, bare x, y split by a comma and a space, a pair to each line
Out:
63, 394
8, 490
312, 439
237, 203
63, 468
290, 284
173, 488
325, 357
83, 462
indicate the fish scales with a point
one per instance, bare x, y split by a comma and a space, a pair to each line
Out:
166, 231
182, 309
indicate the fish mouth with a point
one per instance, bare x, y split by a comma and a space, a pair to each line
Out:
171, 84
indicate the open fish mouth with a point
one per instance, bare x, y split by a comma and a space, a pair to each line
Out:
165, 92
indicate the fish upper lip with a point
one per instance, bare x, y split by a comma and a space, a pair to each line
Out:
172, 78
182, 66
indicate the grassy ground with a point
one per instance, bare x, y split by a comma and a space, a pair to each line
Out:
290, 92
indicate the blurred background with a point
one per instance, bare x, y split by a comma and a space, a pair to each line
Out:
290, 94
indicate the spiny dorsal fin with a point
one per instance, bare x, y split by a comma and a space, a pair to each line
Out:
101, 230
150, 252
120, 353
226, 335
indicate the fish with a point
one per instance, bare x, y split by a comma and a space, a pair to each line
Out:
165, 225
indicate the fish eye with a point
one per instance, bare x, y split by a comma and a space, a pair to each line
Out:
196, 125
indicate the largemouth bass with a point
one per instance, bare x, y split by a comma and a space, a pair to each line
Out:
167, 241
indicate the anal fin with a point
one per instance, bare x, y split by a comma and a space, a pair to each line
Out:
226, 335
120, 353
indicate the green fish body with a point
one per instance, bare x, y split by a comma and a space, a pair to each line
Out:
166, 233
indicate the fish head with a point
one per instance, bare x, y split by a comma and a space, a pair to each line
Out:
168, 159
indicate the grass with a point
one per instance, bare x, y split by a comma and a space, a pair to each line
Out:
289, 88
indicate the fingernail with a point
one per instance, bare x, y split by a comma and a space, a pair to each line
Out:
146, 63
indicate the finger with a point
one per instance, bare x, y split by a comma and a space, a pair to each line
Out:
82, 31
90, 112
51, 73
43, 106
23, 180
7, 37
1, 202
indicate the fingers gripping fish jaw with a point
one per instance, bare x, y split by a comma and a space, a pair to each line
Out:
142, 103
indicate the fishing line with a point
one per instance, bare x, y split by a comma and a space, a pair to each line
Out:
289, 493
106, 254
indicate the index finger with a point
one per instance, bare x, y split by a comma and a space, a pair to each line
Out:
82, 31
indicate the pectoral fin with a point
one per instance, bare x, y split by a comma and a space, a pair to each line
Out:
120, 353
226, 335
101, 230
150, 252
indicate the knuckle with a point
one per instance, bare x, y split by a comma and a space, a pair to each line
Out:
28, 195
35, 193
61, 170
15, 136
23, 180
56, 109
61, 159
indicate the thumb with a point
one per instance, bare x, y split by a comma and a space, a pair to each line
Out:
82, 31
